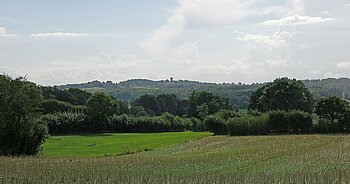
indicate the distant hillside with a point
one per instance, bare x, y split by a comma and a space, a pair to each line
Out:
238, 94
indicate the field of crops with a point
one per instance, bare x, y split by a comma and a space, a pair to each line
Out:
215, 159
103, 145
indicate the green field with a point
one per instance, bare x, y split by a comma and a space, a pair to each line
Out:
102, 145
214, 159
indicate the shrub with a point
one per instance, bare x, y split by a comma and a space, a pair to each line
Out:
216, 124
198, 125
247, 125
52, 106
278, 122
299, 121
227, 114
292, 121
67, 122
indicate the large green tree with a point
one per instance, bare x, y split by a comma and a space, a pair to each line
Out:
282, 94
21, 130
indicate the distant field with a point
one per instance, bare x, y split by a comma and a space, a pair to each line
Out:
102, 145
214, 159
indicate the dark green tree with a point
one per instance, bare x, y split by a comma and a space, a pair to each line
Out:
150, 103
21, 129
202, 99
169, 103
100, 107
331, 108
282, 94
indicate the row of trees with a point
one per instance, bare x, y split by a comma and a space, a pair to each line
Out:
287, 106
282, 106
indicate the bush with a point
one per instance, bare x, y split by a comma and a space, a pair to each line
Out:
165, 123
227, 114
292, 121
277, 121
216, 124
248, 125
299, 121
67, 122
198, 125
52, 106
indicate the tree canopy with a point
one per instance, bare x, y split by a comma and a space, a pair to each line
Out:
332, 108
21, 130
282, 94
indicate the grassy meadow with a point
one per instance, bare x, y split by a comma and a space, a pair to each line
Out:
108, 144
214, 159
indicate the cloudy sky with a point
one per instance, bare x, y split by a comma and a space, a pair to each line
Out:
72, 41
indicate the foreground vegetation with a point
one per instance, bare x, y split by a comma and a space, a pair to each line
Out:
215, 159
102, 145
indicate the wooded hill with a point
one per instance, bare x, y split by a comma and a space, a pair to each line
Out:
238, 94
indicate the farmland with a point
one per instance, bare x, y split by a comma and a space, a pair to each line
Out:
214, 159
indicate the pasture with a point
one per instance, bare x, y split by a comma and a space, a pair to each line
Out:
214, 159
109, 144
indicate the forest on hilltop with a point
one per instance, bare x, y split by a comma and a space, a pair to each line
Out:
238, 94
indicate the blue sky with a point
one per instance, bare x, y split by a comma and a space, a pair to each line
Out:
72, 41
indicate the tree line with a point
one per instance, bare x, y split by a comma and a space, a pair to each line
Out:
29, 113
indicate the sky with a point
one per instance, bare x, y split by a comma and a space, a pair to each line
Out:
73, 41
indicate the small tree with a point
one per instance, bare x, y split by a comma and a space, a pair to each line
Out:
331, 108
216, 124
100, 107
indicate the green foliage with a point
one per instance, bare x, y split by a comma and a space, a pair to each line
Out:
72, 95
278, 122
216, 124
291, 121
21, 130
137, 110
150, 103
331, 108
248, 125
202, 104
100, 107
157, 105
52, 105
198, 125
227, 114
282, 94
165, 123
67, 123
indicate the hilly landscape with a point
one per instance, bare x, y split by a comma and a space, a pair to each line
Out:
237, 93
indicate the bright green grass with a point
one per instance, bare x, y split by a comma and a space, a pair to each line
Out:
102, 145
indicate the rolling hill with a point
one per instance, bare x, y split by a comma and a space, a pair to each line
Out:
238, 94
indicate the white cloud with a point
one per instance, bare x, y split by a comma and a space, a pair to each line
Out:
325, 13
344, 65
277, 39
333, 75
58, 34
347, 5
202, 12
297, 7
297, 20
4, 33
115, 66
